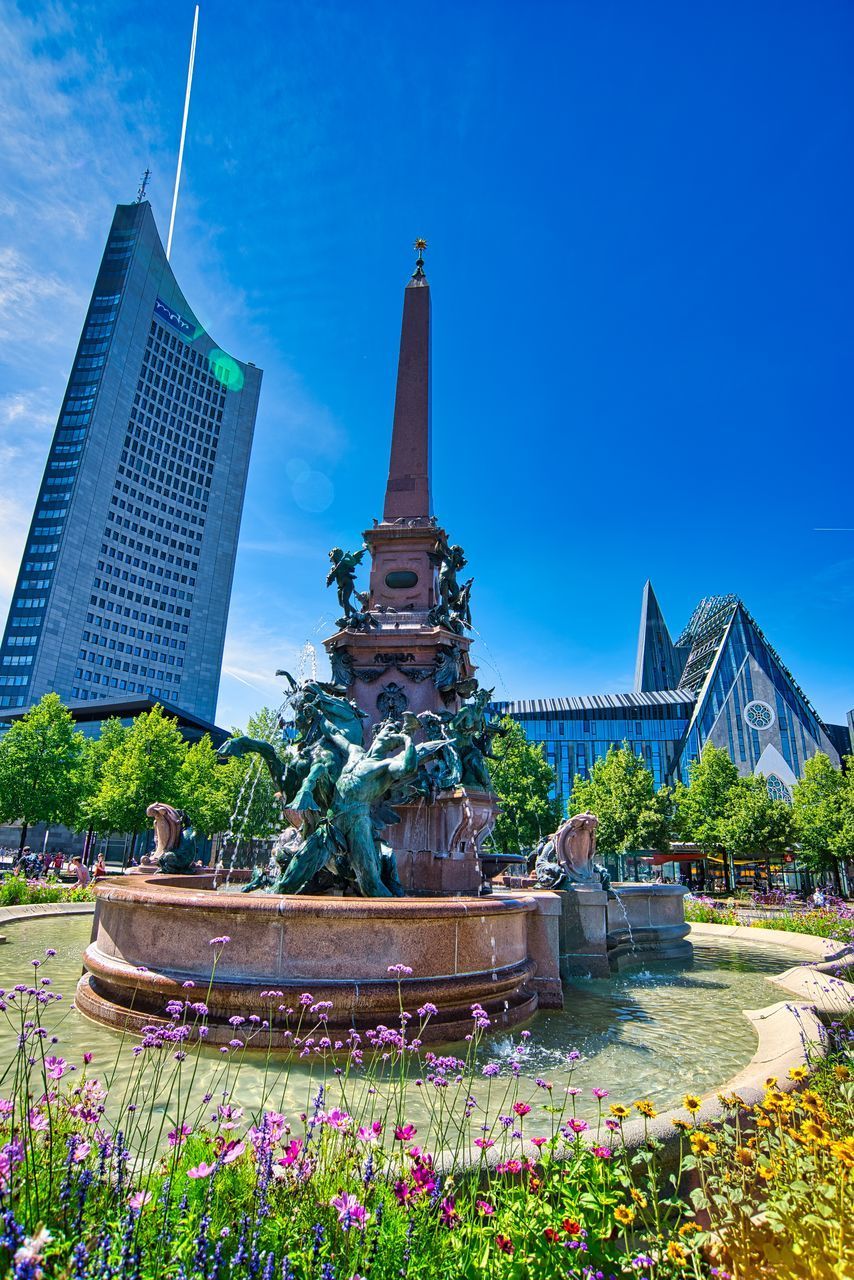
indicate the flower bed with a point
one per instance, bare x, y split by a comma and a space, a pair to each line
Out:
501, 1178
16, 891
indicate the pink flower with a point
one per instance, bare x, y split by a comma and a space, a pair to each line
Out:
56, 1067
176, 1138
484, 1143
138, 1199
403, 1191
81, 1151
292, 1152
484, 1207
575, 1125
604, 1153
539, 1142
405, 1132
450, 1216
521, 1108
600, 1093
613, 1125
201, 1171
233, 1151
350, 1212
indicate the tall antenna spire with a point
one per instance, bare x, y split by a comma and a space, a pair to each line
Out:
183, 132
140, 194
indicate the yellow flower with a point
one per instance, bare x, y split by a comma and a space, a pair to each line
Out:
688, 1227
798, 1073
770, 1082
763, 1122
812, 1130
677, 1254
766, 1171
620, 1111
841, 1071
645, 1107
691, 1102
625, 1214
744, 1156
844, 1152
702, 1145
684, 1125
638, 1197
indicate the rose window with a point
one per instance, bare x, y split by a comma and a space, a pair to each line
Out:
759, 715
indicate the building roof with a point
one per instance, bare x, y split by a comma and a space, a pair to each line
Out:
596, 702
129, 709
659, 665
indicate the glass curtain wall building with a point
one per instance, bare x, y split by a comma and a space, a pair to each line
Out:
126, 576
721, 682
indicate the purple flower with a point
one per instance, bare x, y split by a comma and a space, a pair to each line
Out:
138, 1199
491, 1069
600, 1093
220, 942
427, 1010
400, 970
350, 1212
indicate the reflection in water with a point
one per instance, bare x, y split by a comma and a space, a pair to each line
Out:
654, 1032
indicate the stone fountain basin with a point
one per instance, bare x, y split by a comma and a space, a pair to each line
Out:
151, 935
650, 920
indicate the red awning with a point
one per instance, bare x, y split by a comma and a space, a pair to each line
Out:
661, 859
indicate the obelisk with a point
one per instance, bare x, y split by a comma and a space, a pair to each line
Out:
397, 659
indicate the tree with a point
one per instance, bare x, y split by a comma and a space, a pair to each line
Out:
207, 788
755, 825
143, 768
96, 753
819, 806
702, 808
40, 767
523, 781
621, 792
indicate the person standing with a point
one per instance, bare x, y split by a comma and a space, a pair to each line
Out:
81, 871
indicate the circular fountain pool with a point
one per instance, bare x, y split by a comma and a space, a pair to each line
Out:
655, 1032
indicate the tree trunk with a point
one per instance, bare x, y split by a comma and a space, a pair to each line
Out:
729, 878
25, 826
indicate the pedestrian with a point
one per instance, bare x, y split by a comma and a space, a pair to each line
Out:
81, 871
100, 868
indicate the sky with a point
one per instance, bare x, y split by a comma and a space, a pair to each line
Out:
641, 262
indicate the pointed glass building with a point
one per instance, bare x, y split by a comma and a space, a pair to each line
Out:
720, 682
125, 580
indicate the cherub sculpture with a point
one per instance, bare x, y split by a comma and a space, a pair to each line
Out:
343, 574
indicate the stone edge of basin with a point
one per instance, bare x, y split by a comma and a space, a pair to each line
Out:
181, 891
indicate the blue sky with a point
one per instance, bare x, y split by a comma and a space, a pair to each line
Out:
642, 267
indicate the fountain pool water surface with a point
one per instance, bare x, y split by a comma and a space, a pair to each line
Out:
654, 1032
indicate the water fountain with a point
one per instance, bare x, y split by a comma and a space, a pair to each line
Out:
386, 802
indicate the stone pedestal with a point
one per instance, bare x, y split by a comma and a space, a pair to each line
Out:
583, 933
437, 845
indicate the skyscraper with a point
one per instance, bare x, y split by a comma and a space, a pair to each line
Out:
126, 576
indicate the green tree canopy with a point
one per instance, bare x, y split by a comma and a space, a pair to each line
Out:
256, 811
621, 792
40, 775
820, 802
144, 767
207, 788
755, 826
523, 781
96, 753
701, 809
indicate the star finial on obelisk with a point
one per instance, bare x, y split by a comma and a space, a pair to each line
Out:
419, 246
